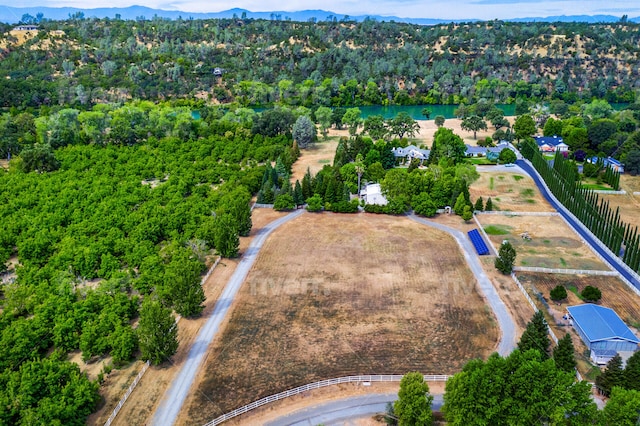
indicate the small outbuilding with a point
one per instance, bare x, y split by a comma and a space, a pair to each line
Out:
602, 330
372, 194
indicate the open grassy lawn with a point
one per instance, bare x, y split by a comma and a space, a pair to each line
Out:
509, 191
334, 295
553, 244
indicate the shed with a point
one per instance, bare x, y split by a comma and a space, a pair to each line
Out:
602, 330
372, 194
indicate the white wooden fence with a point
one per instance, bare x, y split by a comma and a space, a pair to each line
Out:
607, 191
510, 213
565, 271
317, 385
146, 364
126, 395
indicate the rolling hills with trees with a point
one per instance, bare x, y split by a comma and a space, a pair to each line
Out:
82, 61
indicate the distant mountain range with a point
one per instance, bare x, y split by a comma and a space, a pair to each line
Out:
14, 15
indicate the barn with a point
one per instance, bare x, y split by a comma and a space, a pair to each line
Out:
602, 330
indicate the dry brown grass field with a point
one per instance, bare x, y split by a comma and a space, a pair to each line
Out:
333, 295
629, 205
510, 192
615, 294
630, 183
314, 158
553, 244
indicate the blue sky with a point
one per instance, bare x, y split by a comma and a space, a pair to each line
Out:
452, 9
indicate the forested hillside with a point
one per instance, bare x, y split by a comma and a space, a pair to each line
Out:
258, 62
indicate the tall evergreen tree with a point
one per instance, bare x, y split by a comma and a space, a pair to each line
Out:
563, 354
612, 376
298, 196
506, 257
479, 206
307, 190
536, 335
632, 372
489, 205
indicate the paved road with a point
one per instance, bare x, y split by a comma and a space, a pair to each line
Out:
171, 404
508, 327
613, 260
344, 411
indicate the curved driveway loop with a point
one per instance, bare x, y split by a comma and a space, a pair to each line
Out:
508, 327
344, 411
173, 399
613, 261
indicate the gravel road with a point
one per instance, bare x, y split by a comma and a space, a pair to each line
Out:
507, 326
173, 399
344, 411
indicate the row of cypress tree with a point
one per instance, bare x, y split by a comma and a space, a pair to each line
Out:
595, 213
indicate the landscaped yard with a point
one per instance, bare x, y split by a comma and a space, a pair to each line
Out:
334, 295
552, 243
509, 191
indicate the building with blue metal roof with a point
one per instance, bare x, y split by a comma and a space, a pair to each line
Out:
602, 330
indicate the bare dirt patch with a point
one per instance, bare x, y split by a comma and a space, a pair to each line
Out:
314, 158
553, 244
630, 183
334, 295
628, 204
142, 403
509, 192
4, 164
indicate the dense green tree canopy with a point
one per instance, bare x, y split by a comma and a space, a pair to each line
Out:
522, 388
413, 407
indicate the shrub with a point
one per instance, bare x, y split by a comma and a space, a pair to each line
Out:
591, 294
284, 202
558, 293
314, 204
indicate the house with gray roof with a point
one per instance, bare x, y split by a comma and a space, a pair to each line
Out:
410, 152
602, 330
